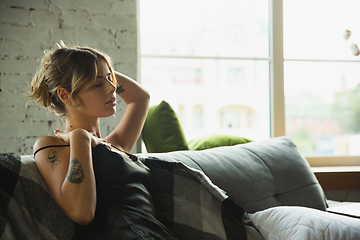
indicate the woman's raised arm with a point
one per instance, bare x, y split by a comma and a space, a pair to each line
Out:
137, 100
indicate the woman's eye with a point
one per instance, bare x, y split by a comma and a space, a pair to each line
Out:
98, 85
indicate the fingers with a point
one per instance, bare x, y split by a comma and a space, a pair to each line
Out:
100, 140
58, 133
62, 136
104, 141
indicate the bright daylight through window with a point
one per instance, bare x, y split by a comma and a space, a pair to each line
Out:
322, 76
210, 60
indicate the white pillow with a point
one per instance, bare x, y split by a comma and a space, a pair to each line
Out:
299, 223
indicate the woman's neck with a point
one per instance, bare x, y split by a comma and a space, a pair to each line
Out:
90, 126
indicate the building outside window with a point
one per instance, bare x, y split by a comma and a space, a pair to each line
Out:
289, 74
215, 57
198, 117
321, 76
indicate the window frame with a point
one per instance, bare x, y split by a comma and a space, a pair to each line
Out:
277, 97
276, 62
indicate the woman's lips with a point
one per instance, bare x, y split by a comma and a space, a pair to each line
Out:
112, 102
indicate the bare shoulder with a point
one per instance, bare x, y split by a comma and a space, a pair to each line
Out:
50, 150
46, 141
52, 159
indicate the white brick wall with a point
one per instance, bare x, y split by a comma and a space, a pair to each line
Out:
27, 28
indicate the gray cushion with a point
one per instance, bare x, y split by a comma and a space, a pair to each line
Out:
258, 175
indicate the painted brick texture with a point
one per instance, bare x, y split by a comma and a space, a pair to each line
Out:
27, 28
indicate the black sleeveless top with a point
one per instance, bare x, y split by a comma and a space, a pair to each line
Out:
124, 208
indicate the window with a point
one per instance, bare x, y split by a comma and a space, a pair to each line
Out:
322, 77
236, 75
217, 56
230, 119
198, 117
259, 66
238, 119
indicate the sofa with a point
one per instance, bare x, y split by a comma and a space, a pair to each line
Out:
270, 180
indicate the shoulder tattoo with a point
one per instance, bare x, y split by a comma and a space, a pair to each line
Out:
75, 173
120, 89
53, 158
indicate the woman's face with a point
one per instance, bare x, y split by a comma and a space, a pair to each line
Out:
99, 100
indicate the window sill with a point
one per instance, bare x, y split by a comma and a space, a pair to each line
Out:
338, 177
334, 161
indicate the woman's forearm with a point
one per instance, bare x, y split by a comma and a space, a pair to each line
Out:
137, 100
129, 90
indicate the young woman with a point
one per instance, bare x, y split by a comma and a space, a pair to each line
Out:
95, 182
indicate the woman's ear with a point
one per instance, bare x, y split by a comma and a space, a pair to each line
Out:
64, 96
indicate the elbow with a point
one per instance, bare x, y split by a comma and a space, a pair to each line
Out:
83, 218
146, 96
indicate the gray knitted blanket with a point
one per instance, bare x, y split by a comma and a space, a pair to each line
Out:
27, 209
192, 207
185, 200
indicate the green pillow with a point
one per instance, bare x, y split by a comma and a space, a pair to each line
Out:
162, 131
216, 140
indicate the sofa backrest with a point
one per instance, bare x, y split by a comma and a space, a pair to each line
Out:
257, 175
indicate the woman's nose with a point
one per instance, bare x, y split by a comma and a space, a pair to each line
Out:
112, 86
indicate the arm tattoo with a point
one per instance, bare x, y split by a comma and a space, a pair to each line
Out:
53, 158
120, 89
75, 173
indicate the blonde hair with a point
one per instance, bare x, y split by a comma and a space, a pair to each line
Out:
74, 69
